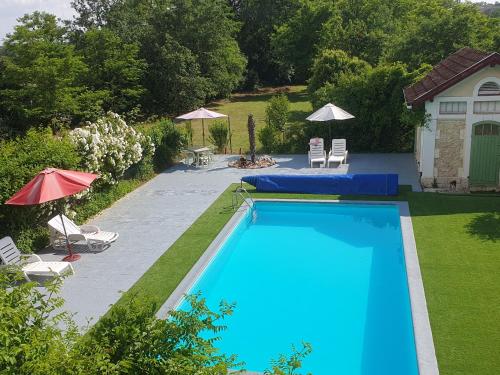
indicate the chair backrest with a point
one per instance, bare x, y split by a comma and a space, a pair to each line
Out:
317, 147
56, 224
338, 147
9, 253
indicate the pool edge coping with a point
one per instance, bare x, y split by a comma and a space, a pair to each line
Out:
424, 343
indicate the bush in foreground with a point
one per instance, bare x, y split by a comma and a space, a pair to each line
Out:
128, 340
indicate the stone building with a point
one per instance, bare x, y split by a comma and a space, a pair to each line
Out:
459, 144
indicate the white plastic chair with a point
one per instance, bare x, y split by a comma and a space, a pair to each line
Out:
338, 153
11, 256
317, 153
90, 235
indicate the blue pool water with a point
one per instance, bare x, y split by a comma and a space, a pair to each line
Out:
332, 275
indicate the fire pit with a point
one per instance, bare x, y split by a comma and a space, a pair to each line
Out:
264, 161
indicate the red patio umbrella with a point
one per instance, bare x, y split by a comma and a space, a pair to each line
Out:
52, 184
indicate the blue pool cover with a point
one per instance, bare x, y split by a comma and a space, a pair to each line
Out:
348, 184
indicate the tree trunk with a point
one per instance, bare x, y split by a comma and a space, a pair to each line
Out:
251, 136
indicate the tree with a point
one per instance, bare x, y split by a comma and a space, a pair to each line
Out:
251, 136
328, 67
173, 78
277, 112
259, 19
295, 41
434, 29
92, 13
207, 30
114, 69
382, 122
41, 76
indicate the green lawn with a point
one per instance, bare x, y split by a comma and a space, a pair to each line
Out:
240, 105
458, 242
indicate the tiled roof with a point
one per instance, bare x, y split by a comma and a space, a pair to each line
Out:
449, 72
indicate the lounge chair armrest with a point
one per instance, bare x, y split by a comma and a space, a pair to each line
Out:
76, 237
27, 257
87, 228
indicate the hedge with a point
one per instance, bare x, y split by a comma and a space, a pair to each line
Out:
23, 157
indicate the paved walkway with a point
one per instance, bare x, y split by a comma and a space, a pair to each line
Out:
153, 217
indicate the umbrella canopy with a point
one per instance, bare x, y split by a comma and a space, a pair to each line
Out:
330, 112
202, 113
51, 184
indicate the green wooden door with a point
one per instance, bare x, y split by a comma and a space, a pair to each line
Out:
485, 155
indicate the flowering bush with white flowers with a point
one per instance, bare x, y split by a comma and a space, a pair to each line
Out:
109, 147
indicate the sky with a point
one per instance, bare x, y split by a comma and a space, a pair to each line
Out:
10, 10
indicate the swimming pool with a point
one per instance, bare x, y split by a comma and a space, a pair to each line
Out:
330, 274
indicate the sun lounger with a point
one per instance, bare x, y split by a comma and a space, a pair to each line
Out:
317, 153
338, 153
11, 256
90, 235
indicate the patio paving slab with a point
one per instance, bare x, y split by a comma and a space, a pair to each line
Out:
151, 218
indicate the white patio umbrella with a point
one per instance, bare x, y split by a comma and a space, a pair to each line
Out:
203, 113
329, 112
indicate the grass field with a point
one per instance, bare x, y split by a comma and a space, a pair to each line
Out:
458, 242
240, 105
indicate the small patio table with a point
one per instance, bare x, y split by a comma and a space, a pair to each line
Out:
201, 155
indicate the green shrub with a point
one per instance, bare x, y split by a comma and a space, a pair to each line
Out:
30, 238
219, 135
168, 139
130, 339
277, 112
109, 147
269, 139
20, 160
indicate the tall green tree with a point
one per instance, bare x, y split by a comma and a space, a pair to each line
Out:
208, 30
41, 75
295, 42
359, 27
433, 29
189, 47
259, 19
327, 69
173, 78
114, 69
92, 13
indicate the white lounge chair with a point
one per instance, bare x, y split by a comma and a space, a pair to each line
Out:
11, 256
317, 153
338, 153
90, 235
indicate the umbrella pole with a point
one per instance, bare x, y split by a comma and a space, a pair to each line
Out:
203, 130
330, 133
230, 135
70, 257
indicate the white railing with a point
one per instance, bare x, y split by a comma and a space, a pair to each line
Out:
242, 193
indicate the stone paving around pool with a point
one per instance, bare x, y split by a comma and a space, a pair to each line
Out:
151, 218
